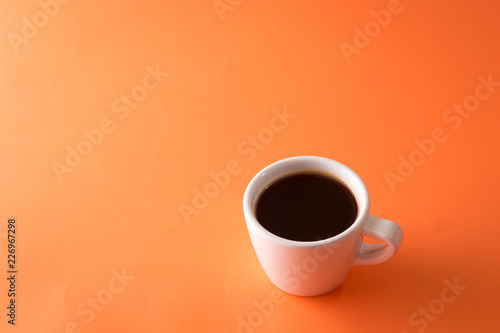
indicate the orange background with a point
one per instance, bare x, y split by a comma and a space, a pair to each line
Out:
118, 210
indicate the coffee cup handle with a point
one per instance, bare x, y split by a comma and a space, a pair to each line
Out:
388, 232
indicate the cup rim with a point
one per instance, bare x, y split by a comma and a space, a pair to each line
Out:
361, 194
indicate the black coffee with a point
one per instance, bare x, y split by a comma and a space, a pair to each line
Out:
306, 207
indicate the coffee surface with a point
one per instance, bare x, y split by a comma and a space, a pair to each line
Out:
306, 207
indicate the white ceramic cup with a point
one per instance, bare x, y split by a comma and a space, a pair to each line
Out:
310, 268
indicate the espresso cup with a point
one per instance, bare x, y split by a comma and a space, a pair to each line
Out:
311, 268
